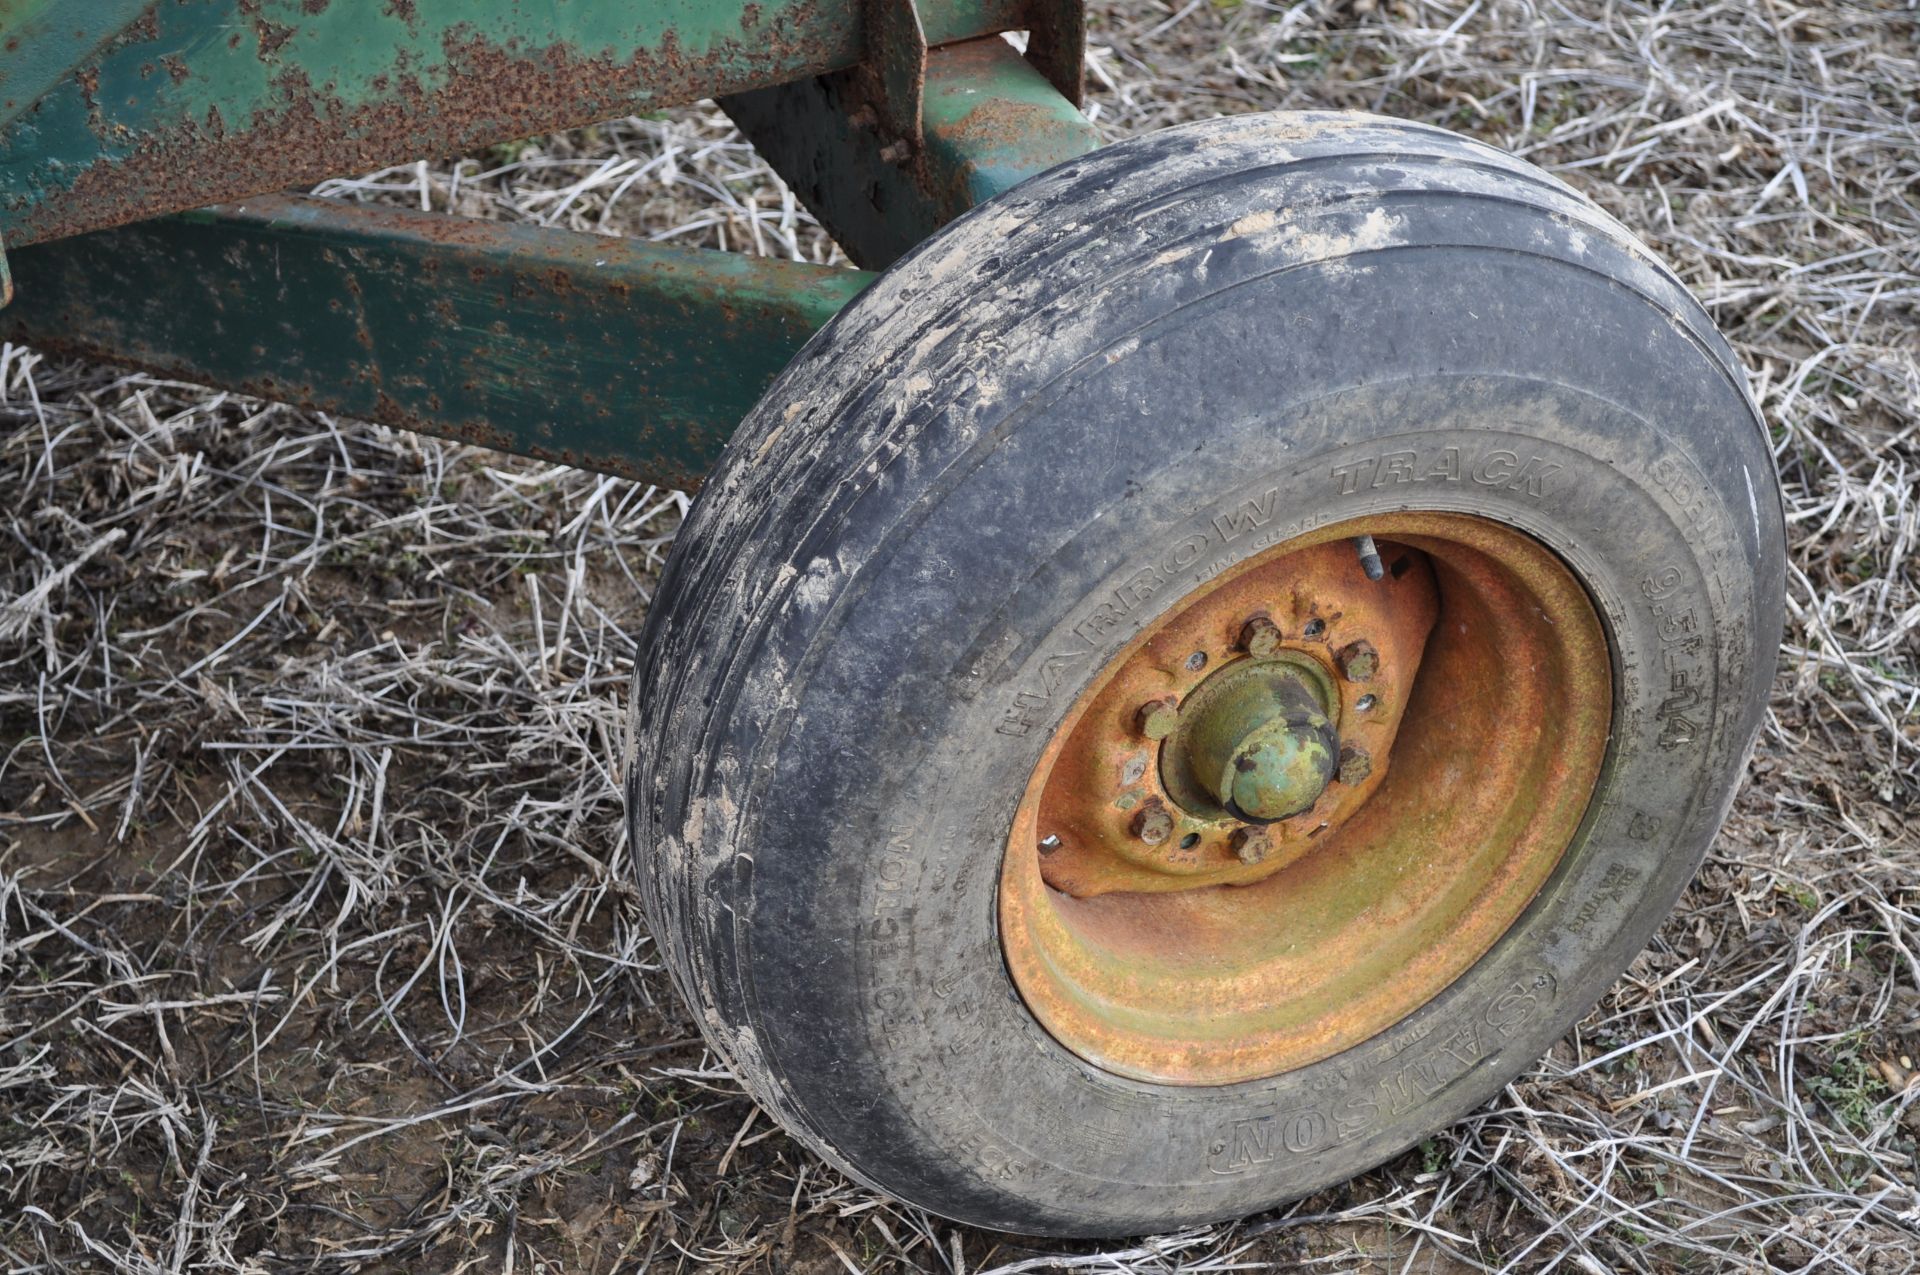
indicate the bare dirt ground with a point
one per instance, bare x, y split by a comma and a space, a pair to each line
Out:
316, 944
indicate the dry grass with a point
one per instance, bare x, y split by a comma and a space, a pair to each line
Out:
315, 946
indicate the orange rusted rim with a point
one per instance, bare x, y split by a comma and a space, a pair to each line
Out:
1443, 727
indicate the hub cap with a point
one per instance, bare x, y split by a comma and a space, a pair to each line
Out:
1303, 801
1256, 744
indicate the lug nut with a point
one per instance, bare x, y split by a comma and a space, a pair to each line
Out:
1157, 718
1355, 764
1358, 661
1260, 637
1252, 845
1153, 824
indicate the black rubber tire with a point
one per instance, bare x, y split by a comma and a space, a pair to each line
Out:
1166, 355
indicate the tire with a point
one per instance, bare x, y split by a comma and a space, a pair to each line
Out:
853, 662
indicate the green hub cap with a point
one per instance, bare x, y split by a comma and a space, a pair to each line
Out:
1255, 742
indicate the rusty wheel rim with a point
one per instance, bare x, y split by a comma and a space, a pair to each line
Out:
1161, 931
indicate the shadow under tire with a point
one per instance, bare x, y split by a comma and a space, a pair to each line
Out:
1006, 469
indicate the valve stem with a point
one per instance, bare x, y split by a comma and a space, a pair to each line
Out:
1369, 557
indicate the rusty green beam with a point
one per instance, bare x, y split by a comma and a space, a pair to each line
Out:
205, 101
614, 355
989, 120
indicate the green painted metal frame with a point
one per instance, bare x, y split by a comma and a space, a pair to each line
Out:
44, 41
616, 355
202, 101
889, 119
989, 119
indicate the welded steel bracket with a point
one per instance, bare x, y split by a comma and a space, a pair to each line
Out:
1057, 45
892, 94
990, 119
897, 61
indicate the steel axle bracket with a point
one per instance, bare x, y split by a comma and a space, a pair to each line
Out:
1057, 45
897, 66
889, 89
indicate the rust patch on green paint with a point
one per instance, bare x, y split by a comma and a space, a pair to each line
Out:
282, 113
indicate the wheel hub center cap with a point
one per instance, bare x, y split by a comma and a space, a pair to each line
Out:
1257, 741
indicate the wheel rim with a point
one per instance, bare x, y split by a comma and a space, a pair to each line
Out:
1302, 802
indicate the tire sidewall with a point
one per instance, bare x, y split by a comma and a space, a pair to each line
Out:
986, 1114
1024, 444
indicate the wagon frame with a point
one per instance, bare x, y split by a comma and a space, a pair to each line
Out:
140, 144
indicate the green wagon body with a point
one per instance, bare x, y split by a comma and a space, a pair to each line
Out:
889, 119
